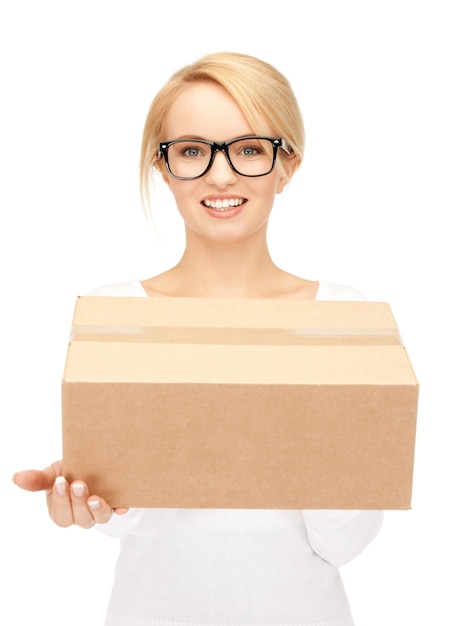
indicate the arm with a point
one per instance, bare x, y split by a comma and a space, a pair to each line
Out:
73, 504
339, 536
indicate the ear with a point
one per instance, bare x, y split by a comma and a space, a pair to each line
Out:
287, 169
160, 165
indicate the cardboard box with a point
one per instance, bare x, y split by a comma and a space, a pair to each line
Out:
180, 402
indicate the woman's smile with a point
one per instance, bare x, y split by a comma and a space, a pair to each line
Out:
224, 206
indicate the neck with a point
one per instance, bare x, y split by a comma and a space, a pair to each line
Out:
241, 269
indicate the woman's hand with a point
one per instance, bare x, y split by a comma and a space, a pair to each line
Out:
67, 503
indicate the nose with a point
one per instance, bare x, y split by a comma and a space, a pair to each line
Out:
220, 173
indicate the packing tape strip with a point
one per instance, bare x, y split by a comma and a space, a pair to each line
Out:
197, 335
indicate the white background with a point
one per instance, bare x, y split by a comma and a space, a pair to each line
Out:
372, 207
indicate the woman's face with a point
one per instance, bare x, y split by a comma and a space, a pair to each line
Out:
207, 111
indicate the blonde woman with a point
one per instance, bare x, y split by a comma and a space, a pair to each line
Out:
226, 135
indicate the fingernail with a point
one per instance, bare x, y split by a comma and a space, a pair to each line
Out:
60, 485
78, 489
94, 505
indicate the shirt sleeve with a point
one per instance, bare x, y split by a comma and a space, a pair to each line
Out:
131, 288
121, 525
339, 536
334, 291
139, 522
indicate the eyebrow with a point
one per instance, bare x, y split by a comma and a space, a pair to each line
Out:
199, 137
191, 137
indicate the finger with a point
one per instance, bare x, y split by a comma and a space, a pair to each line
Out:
59, 503
36, 480
100, 510
82, 513
121, 511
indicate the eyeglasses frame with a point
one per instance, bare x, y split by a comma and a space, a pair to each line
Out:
277, 142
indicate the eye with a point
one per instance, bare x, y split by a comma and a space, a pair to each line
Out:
249, 151
248, 148
191, 150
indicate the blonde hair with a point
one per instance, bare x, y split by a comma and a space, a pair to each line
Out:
262, 93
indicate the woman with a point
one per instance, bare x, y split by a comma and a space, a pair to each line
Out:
226, 135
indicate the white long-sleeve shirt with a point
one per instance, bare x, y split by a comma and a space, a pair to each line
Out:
228, 567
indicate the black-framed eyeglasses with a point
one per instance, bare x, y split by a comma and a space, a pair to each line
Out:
187, 159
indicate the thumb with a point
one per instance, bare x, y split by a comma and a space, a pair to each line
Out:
38, 480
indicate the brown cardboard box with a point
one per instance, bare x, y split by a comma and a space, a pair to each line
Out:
180, 402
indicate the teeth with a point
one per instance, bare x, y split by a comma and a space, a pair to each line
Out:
223, 205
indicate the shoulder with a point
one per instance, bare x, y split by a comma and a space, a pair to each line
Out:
334, 291
132, 288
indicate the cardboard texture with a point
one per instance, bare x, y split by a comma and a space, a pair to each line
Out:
180, 402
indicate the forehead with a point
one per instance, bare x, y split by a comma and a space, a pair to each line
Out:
208, 111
